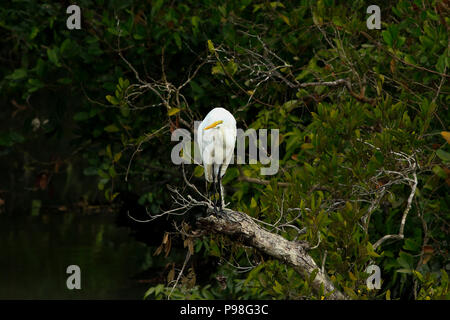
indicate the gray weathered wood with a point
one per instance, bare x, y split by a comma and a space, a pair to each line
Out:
240, 226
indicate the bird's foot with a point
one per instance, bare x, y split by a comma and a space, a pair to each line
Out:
215, 208
217, 205
218, 211
221, 214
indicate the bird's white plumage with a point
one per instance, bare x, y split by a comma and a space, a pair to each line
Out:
216, 144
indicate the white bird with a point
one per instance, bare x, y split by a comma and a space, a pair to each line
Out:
216, 138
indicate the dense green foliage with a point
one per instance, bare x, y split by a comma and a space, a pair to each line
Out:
350, 153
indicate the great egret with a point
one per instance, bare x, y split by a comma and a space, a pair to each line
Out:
216, 137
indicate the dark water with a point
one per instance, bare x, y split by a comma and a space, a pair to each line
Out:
35, 252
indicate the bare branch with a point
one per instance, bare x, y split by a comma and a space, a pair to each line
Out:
240, 226
188, 256
400, 234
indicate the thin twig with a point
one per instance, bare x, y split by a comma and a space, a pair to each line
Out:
188, 256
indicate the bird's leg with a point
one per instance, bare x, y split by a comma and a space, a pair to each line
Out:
220, 188
207, 189
214, 190
221, 198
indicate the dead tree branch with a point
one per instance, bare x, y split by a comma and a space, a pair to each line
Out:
247, 231
405, 172
262, 65
400, 234
240, 226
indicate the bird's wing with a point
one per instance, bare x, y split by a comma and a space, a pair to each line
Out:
208, 162
206, 148
200, 131
230, 141
200, 138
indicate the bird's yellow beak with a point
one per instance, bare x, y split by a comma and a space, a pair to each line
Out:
213, 125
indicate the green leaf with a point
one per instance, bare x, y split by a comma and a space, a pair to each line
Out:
156, 5
35, 207
112, 172
138, 36
387, 37
432, 15
91, 171
149, 292
442, 62
195, 21
198, 171
102, 174
371, 252
101, 184
18, 74
418, 275
278, 288
405, 261
108, 151
411, 245
290, 105
33, 33
285, 19
410, 59
217, 69
404, 270
111, 128
81, 116
53, 56
65, 80
445, 156
388, 294
125, 110
379, 157
211, 46
231, 67
66, 47
439, 172
177, 39
112, 100
214, 249
276, 4
173, 111
117, 156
